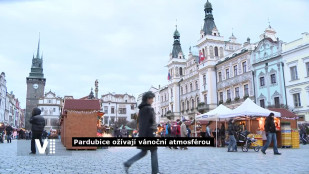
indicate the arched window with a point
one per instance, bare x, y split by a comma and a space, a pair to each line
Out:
186, 89
196, 85
216, 52
221, 52
203, 50
211, 52
180, 71
188, 105
192, 104
191, 88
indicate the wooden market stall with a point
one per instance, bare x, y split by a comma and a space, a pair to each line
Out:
79, 119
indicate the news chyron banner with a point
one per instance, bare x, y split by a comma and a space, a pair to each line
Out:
142, 141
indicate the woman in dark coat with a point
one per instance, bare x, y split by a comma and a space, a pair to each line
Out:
147, 126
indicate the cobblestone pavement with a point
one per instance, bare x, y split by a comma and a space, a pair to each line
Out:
196, 160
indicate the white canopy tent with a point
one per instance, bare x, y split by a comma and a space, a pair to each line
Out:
249, 108
214, 114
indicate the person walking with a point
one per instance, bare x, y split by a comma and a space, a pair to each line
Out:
168, 130
183, 133
27, 134
9, 131
222, 134
270, 129
147, 126
207, 133
188, 132
232, 140
38, 124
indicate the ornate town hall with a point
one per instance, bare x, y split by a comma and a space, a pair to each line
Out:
35, 85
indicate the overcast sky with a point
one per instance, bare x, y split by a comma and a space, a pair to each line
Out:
125, 44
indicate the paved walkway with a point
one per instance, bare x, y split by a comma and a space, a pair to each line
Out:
14, 159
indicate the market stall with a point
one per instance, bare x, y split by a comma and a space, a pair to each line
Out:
215, 115
79, 119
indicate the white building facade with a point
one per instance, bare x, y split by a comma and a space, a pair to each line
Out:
296, 67
51, 107
118, 108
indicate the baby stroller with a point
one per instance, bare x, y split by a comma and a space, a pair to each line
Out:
248, 142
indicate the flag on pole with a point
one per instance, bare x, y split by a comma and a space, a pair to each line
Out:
168, 76
202, 57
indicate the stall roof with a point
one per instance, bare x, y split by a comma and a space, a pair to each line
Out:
249, 108
215, 113
284, 112
79, 104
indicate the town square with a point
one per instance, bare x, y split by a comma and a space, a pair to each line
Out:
227, 80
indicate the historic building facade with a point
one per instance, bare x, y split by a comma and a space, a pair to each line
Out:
224, 71
51, 107
268, 70
234, 77
35, 85
3, 90
296, 67
118, 108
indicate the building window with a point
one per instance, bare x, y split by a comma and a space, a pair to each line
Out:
106, 109
307, 67
162, 98
219, 76
237, 92
132, 107
235, 70
171, 92
197, 101
54, 109
122, 110
204, 79
49, 101
221, 96
42, 109
273, 78
186, 89
192, 104
162, 111
262, 81
196, 85
205, 99
246, 90
191, 88
165, 97
221, 52
296, 98
227, 73
228, 94
294, 75
262, 103
211, 51
216, 52
180, 71
172, 108
277, 102
244, 67
113, 110
188, 105
181, 90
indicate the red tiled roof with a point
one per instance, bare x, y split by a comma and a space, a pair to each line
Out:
284, 112
78, 104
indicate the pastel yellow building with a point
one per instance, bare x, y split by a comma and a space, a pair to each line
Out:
296, 71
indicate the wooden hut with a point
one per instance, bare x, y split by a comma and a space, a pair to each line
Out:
79, 119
